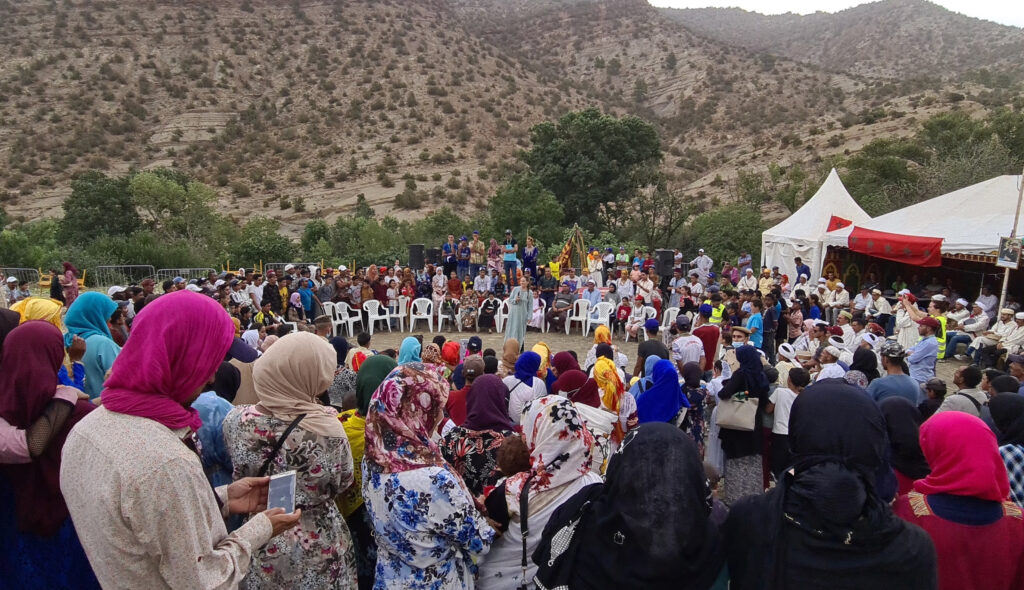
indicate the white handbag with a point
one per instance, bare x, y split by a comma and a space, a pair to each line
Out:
737, 413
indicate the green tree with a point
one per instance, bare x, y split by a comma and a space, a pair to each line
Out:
589, 161
523, 205
363, 208
321, 250
727, 231
260, 241
948, 133
314, 231
175, 205
98, 206
657, 215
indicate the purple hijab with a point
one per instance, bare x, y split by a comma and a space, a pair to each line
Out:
178, 341
486, 408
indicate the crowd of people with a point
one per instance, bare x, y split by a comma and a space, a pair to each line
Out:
767, 434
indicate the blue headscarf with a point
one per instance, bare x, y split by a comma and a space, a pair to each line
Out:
88, 316
663, 400
644, 382
527, 366
409, 352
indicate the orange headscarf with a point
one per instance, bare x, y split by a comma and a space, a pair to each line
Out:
612, 388
545, 358
602, 335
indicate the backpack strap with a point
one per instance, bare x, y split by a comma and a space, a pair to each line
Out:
977, 405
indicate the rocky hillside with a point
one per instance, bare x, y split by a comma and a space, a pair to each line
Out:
888, 39
293, 109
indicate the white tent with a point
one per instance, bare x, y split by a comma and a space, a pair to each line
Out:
969, 220
801, 233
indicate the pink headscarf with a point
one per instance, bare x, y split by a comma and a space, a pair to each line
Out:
177, 343
964, 457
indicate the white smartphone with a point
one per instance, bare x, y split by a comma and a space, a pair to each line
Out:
281, 493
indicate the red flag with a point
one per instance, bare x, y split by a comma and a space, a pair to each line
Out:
836, 222
918, 250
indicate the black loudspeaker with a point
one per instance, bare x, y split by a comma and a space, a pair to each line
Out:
416, 256
433, 256
663, 262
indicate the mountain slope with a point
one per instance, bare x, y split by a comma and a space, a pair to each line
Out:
890, 39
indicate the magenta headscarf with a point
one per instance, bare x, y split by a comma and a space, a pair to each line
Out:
178, 341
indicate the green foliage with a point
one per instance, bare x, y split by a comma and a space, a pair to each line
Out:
363, 208
727, 231
260, 241
590, 161
658, 215
98, 206
175, 205
523, 205
314, 231
32, 245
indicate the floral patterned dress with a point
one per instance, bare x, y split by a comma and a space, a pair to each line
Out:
474, 455
317, 553
428, 531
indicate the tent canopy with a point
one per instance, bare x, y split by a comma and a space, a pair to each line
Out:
801, 233
968, 221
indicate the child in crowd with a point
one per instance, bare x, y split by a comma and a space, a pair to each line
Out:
780, 403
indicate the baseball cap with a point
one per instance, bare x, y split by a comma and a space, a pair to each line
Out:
342, 268
112, 291
934, 323
892, 349
218, 283
474, 344
473, 366
508, 231
177, 280
864, 288
701, 250
289, 266
193, 288
476, 232
639, 298
12, 279
589, 281
683, 322
651, 325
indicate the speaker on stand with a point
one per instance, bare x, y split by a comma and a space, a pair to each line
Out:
663, 262
416, 256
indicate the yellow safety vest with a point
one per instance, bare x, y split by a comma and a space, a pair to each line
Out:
941, 336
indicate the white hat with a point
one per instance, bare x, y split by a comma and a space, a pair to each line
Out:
837, 341
903, 292
840, 285
979, 304
288, 267
342, 268
750, 270
591, 282
1019, 315
822, 280
700, 250
962, 301
820, 322
802, 276
833, 350
786, 349
871, 339
938, 297
217, 284
193, 288
12, 279
1006, 311
876, 291
115, 290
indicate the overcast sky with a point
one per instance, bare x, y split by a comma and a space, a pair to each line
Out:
1007, 12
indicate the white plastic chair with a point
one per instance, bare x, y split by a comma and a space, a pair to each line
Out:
422, 309
579, 314
649, 313
442, 318
402, 313
343, 316
375, 312
501, 316
330, 312
669, 317
543, 316
603, 311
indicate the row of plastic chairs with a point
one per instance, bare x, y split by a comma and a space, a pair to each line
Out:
344, 316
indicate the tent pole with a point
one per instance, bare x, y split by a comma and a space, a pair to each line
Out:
1013, 234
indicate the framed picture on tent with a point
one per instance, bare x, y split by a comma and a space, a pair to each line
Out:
1009, 253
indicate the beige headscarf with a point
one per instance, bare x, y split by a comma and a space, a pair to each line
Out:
509, 354
289, 377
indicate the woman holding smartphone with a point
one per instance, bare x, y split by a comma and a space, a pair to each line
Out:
288, 378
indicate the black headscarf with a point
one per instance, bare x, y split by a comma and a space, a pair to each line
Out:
1008, 415
866, 362
490, 365
649, 526
839, 444
9, 320
752, 370
341, 347
606, 351
226, 381
903, 422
